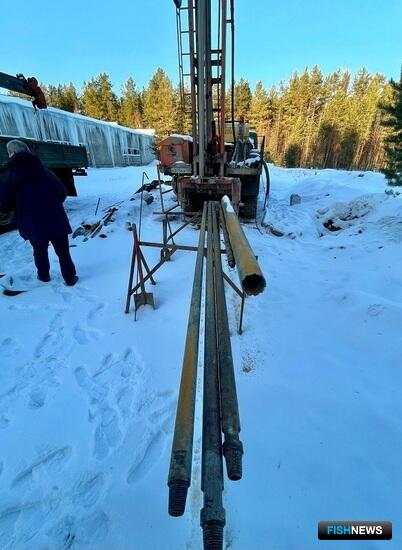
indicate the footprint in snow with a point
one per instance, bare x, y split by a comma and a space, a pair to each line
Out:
107, 433
53, 459
158, 412
18, 524
146, 457
93, 314
375, 310
52, 341
9, 347
112, 389
87, 489
79, 531
37, 398
85, 335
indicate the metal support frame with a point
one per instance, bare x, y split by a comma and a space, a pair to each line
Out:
169, 249
143, 297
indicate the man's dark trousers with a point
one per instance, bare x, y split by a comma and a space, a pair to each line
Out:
61, 247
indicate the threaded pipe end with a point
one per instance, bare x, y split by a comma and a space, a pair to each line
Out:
177, 497
213, 536
233, 458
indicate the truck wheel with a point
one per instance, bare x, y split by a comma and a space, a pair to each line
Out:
66, 176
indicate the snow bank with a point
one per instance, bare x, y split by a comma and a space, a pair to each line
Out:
88, 395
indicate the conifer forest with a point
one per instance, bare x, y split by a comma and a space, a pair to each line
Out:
338, 120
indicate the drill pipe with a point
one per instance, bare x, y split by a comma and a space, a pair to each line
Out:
232, 446
228, 246
213, 514
251, 278
182, 448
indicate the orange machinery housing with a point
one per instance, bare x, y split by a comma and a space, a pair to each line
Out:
176, 154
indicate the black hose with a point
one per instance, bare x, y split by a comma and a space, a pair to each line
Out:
268, 187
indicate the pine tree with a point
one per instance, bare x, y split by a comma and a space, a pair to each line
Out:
393, 142
98, 99
68, 99
243, 97
131, 109
62, 96
259, 109
182, 108
159, 104
292, 155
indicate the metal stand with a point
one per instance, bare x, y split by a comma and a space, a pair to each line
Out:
141, 298
242, 296
168, 248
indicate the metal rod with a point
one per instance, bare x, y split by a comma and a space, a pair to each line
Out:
130, 279
201, 40
251, 278
243, 300
231, 284
223, 80
228, 246
182, 448
146, 267
170, 209
165, 236
143, 298
97, 206
232, 446
153, 270
188, 222
162, 202
192, 78
169, 213
213, 513
174, 246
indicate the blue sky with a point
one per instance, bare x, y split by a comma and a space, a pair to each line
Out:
72, 40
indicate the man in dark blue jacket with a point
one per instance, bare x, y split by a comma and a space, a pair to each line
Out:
37, 195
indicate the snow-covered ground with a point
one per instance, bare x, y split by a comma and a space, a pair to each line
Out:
88, 396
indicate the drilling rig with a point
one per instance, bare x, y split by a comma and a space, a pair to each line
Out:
221, 156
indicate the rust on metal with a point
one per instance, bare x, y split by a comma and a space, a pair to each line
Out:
250, 275
182, 448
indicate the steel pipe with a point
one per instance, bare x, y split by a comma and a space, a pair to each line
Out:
213, 513
251, 278
228, 246
201, 61
182, 448
232, 446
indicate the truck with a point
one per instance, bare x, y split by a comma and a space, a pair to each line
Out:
64, 159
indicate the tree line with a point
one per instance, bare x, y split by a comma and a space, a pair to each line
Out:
312, 120
157, 106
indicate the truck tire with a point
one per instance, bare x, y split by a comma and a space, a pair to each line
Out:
66, 176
